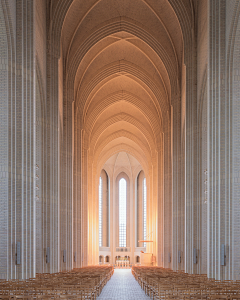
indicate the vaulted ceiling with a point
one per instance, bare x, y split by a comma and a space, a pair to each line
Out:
122, 61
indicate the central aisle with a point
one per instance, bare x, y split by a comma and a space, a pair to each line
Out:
122, 286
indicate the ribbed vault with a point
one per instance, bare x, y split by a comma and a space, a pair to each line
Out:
122, 71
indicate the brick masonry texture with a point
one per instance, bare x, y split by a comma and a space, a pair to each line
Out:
82, 81
3, 145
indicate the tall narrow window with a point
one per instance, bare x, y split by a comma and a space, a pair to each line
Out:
100, 211
122, 212
144, 210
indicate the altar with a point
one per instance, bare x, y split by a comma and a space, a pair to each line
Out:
122, 263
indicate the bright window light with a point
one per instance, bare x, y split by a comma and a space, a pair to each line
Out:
144, 210
122, 212
100, 211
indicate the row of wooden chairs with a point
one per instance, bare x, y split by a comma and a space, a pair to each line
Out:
160, 283
82, 283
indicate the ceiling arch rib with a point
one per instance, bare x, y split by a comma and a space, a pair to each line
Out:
68, 16
120, 161
58, 14
121, 145
120, 25
132, 26
121, 118
120, 47
149, 8
147, 88
112, 99
121, 67
106, 139
76, 11
138, 133
123, 162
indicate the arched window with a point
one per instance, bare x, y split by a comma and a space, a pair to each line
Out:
144, 210
103, 209
122, 212
100, 211
141, 209
100, 259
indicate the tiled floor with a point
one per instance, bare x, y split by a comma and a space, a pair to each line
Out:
122, 286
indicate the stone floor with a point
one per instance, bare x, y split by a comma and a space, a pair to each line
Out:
122, 286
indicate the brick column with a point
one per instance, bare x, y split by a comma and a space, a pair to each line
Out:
24, 152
